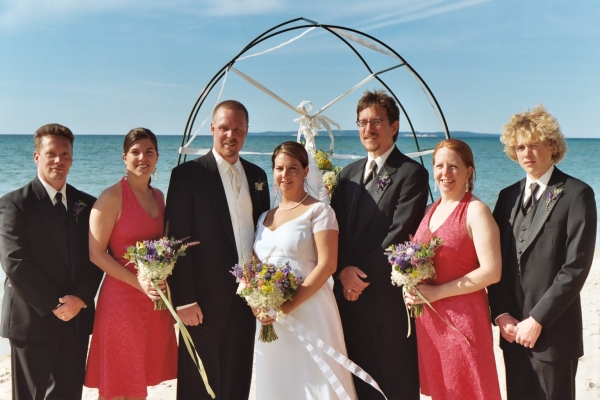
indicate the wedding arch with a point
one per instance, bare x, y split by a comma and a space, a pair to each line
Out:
358, 43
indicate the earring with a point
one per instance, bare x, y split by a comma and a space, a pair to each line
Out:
435, 188
126, 172
467, 187
155, 173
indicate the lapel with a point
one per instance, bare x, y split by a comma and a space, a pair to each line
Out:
46, 209
541, 215
255, 194
364, 217
77, 235
515, 198
352, 196
216, 192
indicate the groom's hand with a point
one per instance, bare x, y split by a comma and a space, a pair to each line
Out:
352, 283
190, 316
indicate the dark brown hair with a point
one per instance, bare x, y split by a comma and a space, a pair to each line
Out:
464, 152
233, 105
52, 130
292, 149
380, 98
136, 134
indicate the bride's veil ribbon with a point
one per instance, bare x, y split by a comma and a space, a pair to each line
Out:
310, 341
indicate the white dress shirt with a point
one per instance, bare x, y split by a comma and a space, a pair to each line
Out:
542, 182
52, 192
379, 161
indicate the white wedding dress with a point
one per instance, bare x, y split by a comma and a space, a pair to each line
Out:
284, 368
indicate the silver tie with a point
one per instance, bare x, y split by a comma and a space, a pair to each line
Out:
371, 176
235, 179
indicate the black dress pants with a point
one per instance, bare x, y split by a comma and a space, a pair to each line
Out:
530, 379
52, 370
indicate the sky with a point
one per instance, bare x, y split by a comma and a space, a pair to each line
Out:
105, 67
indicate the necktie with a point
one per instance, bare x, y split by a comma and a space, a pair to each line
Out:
531, 200
236, 180
61, 211
371, 176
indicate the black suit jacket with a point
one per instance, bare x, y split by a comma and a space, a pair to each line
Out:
393, 215
41, 267
552, 268
197, 207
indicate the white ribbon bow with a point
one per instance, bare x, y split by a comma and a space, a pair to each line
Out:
309, 124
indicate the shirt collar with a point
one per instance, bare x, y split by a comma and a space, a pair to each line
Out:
379, 160
542, 182
223, 165
52, 192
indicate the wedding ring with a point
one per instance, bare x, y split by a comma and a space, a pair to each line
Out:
349, 290
63, 317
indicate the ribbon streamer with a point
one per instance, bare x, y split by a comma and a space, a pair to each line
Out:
430, 306
310, 340
189, 343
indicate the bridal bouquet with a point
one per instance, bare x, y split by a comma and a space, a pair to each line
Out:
412, 263
155, 259
266, 286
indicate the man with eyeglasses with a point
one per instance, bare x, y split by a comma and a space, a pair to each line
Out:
379, 201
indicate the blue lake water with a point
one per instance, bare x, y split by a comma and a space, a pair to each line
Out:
98, 163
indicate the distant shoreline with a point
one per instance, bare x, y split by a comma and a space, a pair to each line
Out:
342, 133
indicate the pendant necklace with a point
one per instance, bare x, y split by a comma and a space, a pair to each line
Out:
292, 207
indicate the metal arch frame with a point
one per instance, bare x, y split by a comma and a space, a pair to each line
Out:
274, 31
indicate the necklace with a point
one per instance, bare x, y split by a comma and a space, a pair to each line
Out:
292, 207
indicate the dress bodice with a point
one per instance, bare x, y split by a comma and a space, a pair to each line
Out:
293, 241
134, 224
457, 253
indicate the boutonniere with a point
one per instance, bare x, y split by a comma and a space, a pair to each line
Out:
553, 196
259, 186
383, 181
78, 207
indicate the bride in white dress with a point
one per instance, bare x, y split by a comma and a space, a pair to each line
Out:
304, 231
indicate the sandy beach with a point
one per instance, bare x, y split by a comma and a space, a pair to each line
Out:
588, 373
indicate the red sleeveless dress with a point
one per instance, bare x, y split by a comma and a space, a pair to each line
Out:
133, 346
448, 367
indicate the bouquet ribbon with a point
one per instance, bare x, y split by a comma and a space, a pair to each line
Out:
189, 343
430, 306
310, 341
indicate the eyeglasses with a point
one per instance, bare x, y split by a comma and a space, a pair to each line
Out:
376, 123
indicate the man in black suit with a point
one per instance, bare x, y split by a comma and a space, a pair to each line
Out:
548, 231
216, 199
378, 201
48, 305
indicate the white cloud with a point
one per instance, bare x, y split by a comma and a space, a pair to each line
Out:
22, 14
420, 11
15, 14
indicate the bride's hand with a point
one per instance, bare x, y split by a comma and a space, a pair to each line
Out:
265, 319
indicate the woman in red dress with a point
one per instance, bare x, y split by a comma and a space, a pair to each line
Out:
466, 263
133, 346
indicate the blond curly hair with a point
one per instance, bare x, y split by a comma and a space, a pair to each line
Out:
534, 126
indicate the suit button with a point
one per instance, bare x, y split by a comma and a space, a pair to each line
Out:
521, 240
523, 228
520, 251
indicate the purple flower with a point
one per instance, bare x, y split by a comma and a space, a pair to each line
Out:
383, 181
78, 207
553, 196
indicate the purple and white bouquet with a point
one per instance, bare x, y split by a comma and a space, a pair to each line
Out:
412, 263
155, 259
266, 286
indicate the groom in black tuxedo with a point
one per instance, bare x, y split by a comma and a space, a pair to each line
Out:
378, 201
48, 304
216, 199
548, 231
